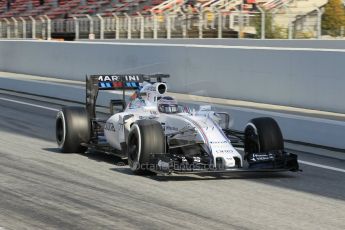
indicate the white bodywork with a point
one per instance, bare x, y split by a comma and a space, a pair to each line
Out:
203, 125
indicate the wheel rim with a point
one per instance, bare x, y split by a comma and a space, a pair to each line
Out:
133, 150
251, 140
60, 131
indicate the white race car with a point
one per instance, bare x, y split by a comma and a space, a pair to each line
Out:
157, 135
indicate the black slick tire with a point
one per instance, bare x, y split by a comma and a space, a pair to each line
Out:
263, 135
146, 137
72, 129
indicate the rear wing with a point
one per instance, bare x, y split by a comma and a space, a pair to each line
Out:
123, 82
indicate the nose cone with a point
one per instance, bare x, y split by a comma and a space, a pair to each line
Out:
225, 162
225, 155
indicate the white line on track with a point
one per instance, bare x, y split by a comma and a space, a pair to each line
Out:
29, 104
53, 109
322, 166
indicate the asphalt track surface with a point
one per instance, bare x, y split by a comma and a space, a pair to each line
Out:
41, 188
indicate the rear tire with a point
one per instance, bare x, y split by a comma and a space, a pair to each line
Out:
72, 128
145, 137
262, 135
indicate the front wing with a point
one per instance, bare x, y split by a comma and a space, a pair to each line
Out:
163, 164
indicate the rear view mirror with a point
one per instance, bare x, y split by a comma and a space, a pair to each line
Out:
224, 121
117, 106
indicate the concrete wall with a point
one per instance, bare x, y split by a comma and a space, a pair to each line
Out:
309, 78
295, 43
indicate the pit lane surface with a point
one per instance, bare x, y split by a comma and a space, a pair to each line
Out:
42, 188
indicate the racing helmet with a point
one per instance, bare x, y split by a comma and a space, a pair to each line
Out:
167, 105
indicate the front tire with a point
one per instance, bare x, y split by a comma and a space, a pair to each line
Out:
72, 129
146, 137
263, 135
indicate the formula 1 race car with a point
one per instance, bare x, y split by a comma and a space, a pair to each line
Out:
158, 135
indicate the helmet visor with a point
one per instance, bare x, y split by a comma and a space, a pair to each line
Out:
163, 108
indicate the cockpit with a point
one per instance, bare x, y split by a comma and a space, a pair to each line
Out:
137, 103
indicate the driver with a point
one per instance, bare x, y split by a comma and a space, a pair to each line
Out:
167, 105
